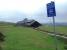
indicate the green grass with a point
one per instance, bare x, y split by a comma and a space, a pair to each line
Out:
22, 38
59, 29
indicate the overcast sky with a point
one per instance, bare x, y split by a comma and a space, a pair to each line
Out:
16, 10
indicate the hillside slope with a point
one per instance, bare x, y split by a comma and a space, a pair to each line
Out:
23, 38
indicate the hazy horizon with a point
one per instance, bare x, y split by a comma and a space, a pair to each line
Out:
17, 10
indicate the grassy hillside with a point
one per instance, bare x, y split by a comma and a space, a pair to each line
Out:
23, 38
59, 29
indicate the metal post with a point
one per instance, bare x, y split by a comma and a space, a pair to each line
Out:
56, 46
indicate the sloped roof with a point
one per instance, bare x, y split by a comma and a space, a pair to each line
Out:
26, 21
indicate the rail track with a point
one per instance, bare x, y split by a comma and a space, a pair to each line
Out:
60, 35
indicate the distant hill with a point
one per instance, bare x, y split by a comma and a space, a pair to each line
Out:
3, 22
57, 24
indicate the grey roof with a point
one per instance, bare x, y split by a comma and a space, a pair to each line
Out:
26, 22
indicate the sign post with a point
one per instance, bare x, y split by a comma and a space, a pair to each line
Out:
52, 13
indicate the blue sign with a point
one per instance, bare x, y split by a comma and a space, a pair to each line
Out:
51, 9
